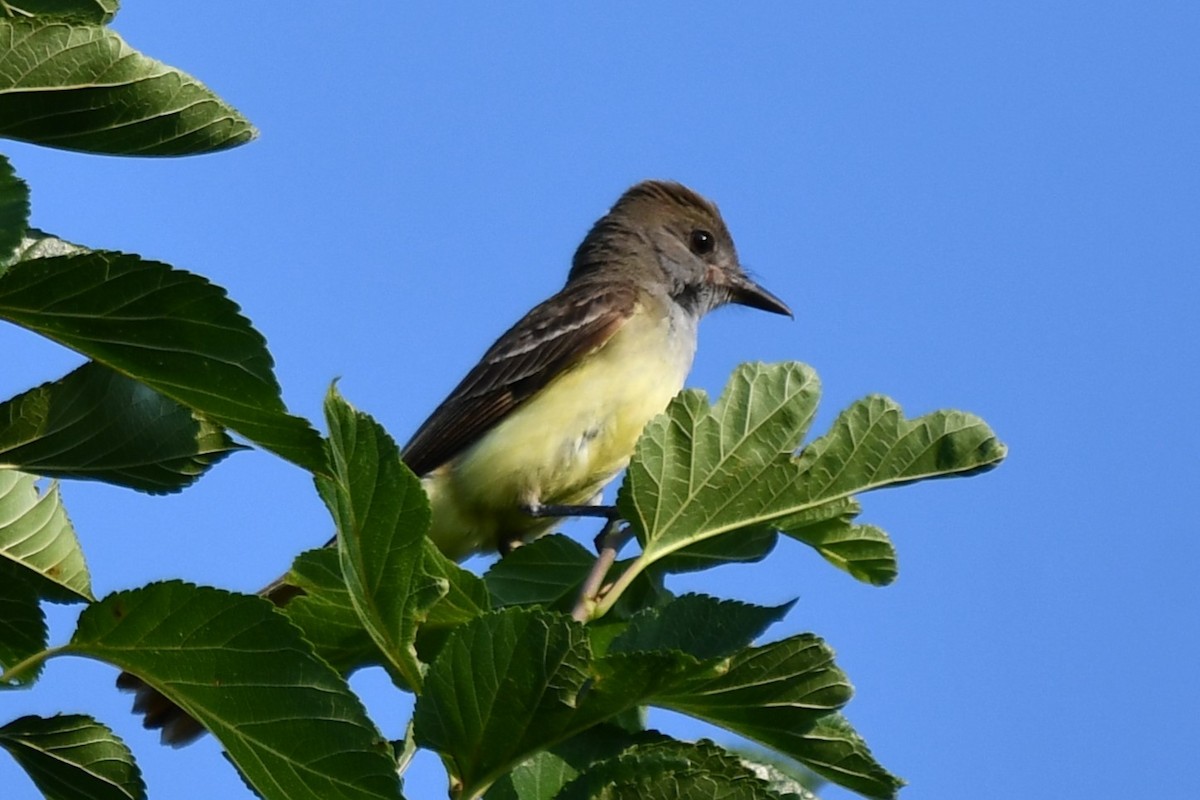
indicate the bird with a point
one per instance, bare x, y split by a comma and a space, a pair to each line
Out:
552, 411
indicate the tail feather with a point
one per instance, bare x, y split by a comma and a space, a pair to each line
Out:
178, 727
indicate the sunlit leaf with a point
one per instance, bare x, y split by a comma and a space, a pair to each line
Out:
78, 86
698, 470
864, 551
701, 472
36, 536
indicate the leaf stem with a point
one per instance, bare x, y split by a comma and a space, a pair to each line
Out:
14, 672
604, 603
610, 542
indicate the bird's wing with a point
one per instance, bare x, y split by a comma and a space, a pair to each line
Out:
549, 339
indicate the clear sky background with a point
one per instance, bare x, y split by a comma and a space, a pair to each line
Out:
991, 207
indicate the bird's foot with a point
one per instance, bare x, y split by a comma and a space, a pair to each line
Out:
540, 511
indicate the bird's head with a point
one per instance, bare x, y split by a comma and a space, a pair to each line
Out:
664, 233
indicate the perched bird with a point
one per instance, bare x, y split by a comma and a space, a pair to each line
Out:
552, 411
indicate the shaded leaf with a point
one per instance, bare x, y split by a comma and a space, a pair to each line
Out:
466, 594
770, 694
79, 86
14, 211
97, 11
290, 724
547, 572
73, 757
36, 535
167, 328
326, 614
743, 546
543, 776
699, 625
833, 749
504, 686
97, 424
382, 515
670, 770
23, 630
789, 780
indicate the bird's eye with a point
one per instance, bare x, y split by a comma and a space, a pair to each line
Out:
702, 242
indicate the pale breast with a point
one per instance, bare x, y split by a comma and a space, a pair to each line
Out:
566, 442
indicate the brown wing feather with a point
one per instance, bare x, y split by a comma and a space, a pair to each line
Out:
549, 339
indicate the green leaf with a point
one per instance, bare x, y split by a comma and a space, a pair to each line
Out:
39, 244
834, 750
783, 695
326, 614
504, 686
466, 594
73, 757
78, 86
771, 694
783, 776
700, 473
743, 546
97, 11
404, 750
872, 445
697, 471
23, 632
286, 719
699, 625
670, 770
14, 211
97, 424
167, 328
542, 776
36, 535
382, 515
862, 550
547, 572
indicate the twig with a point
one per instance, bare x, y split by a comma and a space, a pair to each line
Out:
609, 542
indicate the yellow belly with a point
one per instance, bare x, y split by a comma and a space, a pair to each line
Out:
563, 444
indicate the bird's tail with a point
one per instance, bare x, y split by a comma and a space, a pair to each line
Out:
178, 727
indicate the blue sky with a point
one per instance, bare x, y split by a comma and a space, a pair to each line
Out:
990, 207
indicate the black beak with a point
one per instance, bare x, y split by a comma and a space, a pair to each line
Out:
746, 292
